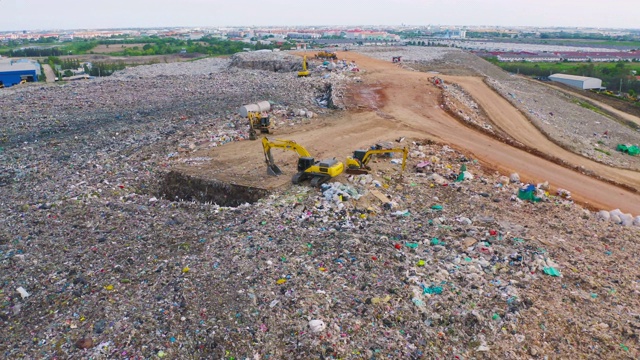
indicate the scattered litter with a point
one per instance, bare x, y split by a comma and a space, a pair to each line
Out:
405, 268
23, 293
317, 326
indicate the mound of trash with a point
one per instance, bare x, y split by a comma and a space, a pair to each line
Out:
267, 60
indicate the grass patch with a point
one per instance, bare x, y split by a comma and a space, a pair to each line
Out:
593, 108
602, 151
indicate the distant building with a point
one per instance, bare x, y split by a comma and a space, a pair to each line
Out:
195, 36
235, 34
14, 72
580, 82
297, 35
456, 34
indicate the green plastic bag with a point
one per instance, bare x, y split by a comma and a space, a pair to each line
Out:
528, 196
432, 290
463, 168
632, 150
551, 271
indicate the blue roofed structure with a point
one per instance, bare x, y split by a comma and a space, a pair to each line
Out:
14, 71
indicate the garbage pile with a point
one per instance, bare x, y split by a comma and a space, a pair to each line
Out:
275, 61
458, 102
430, 264
189, 68
408, 53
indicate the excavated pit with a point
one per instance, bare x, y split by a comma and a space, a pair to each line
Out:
181, 187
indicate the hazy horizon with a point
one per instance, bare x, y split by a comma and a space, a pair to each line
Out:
76, 14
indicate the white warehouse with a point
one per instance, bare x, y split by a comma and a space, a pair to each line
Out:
580, 82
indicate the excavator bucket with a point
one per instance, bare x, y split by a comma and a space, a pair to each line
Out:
274, 170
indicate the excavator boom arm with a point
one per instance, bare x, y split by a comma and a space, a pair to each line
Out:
404, 151
284, 144
267, 145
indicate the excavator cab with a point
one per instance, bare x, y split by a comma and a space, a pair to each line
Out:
359, 155
265, 122
305, 162
258, 121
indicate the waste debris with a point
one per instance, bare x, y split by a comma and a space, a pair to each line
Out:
95, 263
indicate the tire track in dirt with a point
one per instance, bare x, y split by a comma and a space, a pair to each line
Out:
512, 121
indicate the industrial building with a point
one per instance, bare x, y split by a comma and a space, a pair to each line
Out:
580, 82
14, 71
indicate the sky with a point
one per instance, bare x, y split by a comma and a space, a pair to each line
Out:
91, 14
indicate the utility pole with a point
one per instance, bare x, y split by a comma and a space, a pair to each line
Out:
620, 92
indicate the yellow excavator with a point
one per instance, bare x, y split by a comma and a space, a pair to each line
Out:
317, 172
358, 164
258, 121
305, 71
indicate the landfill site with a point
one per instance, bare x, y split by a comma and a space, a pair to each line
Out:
385, 203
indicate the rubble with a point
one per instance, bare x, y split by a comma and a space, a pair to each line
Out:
370, 266
276, 61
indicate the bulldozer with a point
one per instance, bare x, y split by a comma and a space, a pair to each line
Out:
326, 55
317, 172
305, 71
258, 121
358, 163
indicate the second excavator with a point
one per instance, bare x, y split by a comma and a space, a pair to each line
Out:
317, 172
358, 164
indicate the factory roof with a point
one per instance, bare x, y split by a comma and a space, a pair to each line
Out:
12, 65
572, 77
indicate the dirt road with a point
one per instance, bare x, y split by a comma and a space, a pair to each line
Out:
48, 71
514, 123
397, 103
